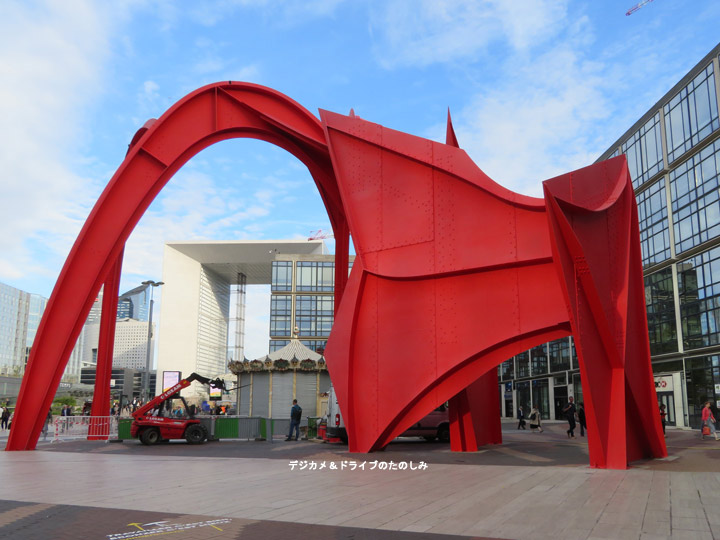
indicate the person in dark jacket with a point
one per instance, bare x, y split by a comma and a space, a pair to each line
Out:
295, 417
569, 412
521, 418
581, 418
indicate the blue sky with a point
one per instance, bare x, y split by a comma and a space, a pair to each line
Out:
536, 88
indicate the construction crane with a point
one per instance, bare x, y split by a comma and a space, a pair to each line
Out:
320, 235
637, 6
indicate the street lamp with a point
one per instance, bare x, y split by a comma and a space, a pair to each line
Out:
146, 383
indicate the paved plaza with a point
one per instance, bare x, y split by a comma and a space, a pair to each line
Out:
533, 486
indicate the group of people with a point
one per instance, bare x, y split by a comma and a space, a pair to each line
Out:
574, 415
535, 419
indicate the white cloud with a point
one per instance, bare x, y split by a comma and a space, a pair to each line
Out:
423, 32
53, 55
536, 124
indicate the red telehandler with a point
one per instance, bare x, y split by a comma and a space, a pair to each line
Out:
154, 422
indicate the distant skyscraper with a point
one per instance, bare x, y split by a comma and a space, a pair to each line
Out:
134, 304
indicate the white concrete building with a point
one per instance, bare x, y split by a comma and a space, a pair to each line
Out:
201, 279
130, 349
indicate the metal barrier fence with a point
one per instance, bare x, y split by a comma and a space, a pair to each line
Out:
84, 427
218, 427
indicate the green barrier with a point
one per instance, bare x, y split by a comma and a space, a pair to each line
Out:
312, 427
226, 428
124, 428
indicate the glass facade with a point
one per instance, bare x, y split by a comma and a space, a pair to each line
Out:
539, 360
643, 151
559, 355
281, 315
281, 279
702, 377
314, 314
654, 226
699, 291
691, 115
660, 305
522, 364
541, 397
315, 276
507, 370
696, 199
302, 298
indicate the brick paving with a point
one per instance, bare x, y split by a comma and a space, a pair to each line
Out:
533, 486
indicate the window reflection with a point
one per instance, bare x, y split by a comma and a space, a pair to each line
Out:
660, 305
559, 355
653, 221
522, 362
699, 291
315, 276
691, 114
280, 315
281, 276
314, 315
539, 360
696, 199
643, 151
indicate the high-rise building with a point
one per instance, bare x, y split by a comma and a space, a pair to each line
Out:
302, 301
130, 348
14, 315
20, 315
673, 154
134, 304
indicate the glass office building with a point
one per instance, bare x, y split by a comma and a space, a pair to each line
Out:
673, 154
302, 298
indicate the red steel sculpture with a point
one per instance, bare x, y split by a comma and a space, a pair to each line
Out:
453, 275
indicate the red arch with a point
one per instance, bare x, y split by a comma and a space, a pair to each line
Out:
210, 114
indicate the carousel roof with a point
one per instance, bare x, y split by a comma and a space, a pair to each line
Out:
294, 349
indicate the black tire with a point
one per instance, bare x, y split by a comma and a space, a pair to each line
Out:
443, 433
195, 434
344, 438
150, 436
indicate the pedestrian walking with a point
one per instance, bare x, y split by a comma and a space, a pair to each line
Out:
535, 421
581, 418
5, 418
46, 425
521, 418
708, 422
569, 412
295, 417
663, 417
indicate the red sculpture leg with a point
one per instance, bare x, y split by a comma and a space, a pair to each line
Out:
475, 415
106, 344
593, 218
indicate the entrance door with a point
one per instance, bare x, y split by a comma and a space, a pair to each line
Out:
668, 399
561, 399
